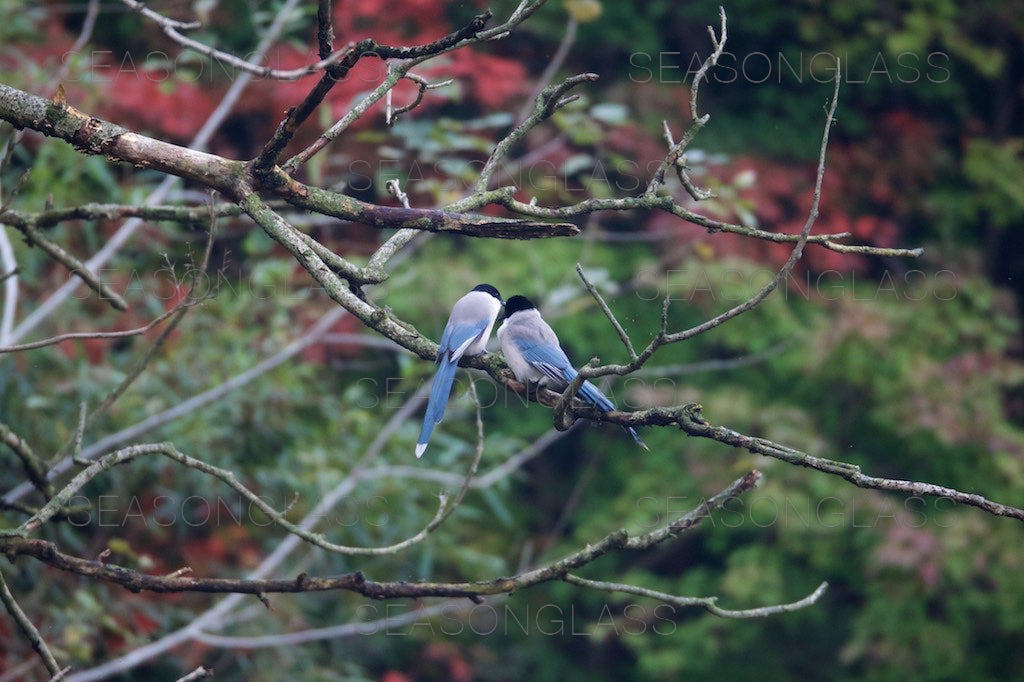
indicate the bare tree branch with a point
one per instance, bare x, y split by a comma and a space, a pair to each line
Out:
30, 463
28, 630
592, 290
35, 238
197, 674
689, 418
708, 603
198, 142
324, 28
48, 553
336, 72
664, 339
72, 336
548, 101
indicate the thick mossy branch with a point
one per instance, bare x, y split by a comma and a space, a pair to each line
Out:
95, 136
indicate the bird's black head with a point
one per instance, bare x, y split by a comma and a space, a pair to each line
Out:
488, 289
517, 303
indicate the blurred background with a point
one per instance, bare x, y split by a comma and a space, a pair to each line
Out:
910, 368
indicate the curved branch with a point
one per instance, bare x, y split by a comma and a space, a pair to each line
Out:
48, 553
94, 136
708, 603
71, 336
689, 418
548, 101
662, 338
335, 73
336, 60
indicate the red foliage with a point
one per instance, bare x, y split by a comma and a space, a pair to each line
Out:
449, 657
488, 80
491, 81
228, 544
913, 550
781, 198
868, 190
149, 99
172, 102
395, 676
889, 168
322, 353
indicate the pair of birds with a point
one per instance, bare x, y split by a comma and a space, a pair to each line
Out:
530, 346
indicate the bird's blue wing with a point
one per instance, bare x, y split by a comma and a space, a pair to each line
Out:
549, 360
457, 337
553, 363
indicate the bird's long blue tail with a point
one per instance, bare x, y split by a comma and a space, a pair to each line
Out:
592, 394
437, 402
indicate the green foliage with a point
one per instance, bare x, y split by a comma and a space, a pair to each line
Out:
996, 173
909, 374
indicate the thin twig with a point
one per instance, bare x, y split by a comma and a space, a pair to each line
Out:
707, 603
568, 38
92, 11
718, 43
72, 336
356, 582
35, 238
197, 674
28, 630
324, 28
548, 101
422, 85
198, 142
696, 193
663, 338
32, 465
623, 336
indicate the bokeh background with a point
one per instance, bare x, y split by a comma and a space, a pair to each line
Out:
910, 368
